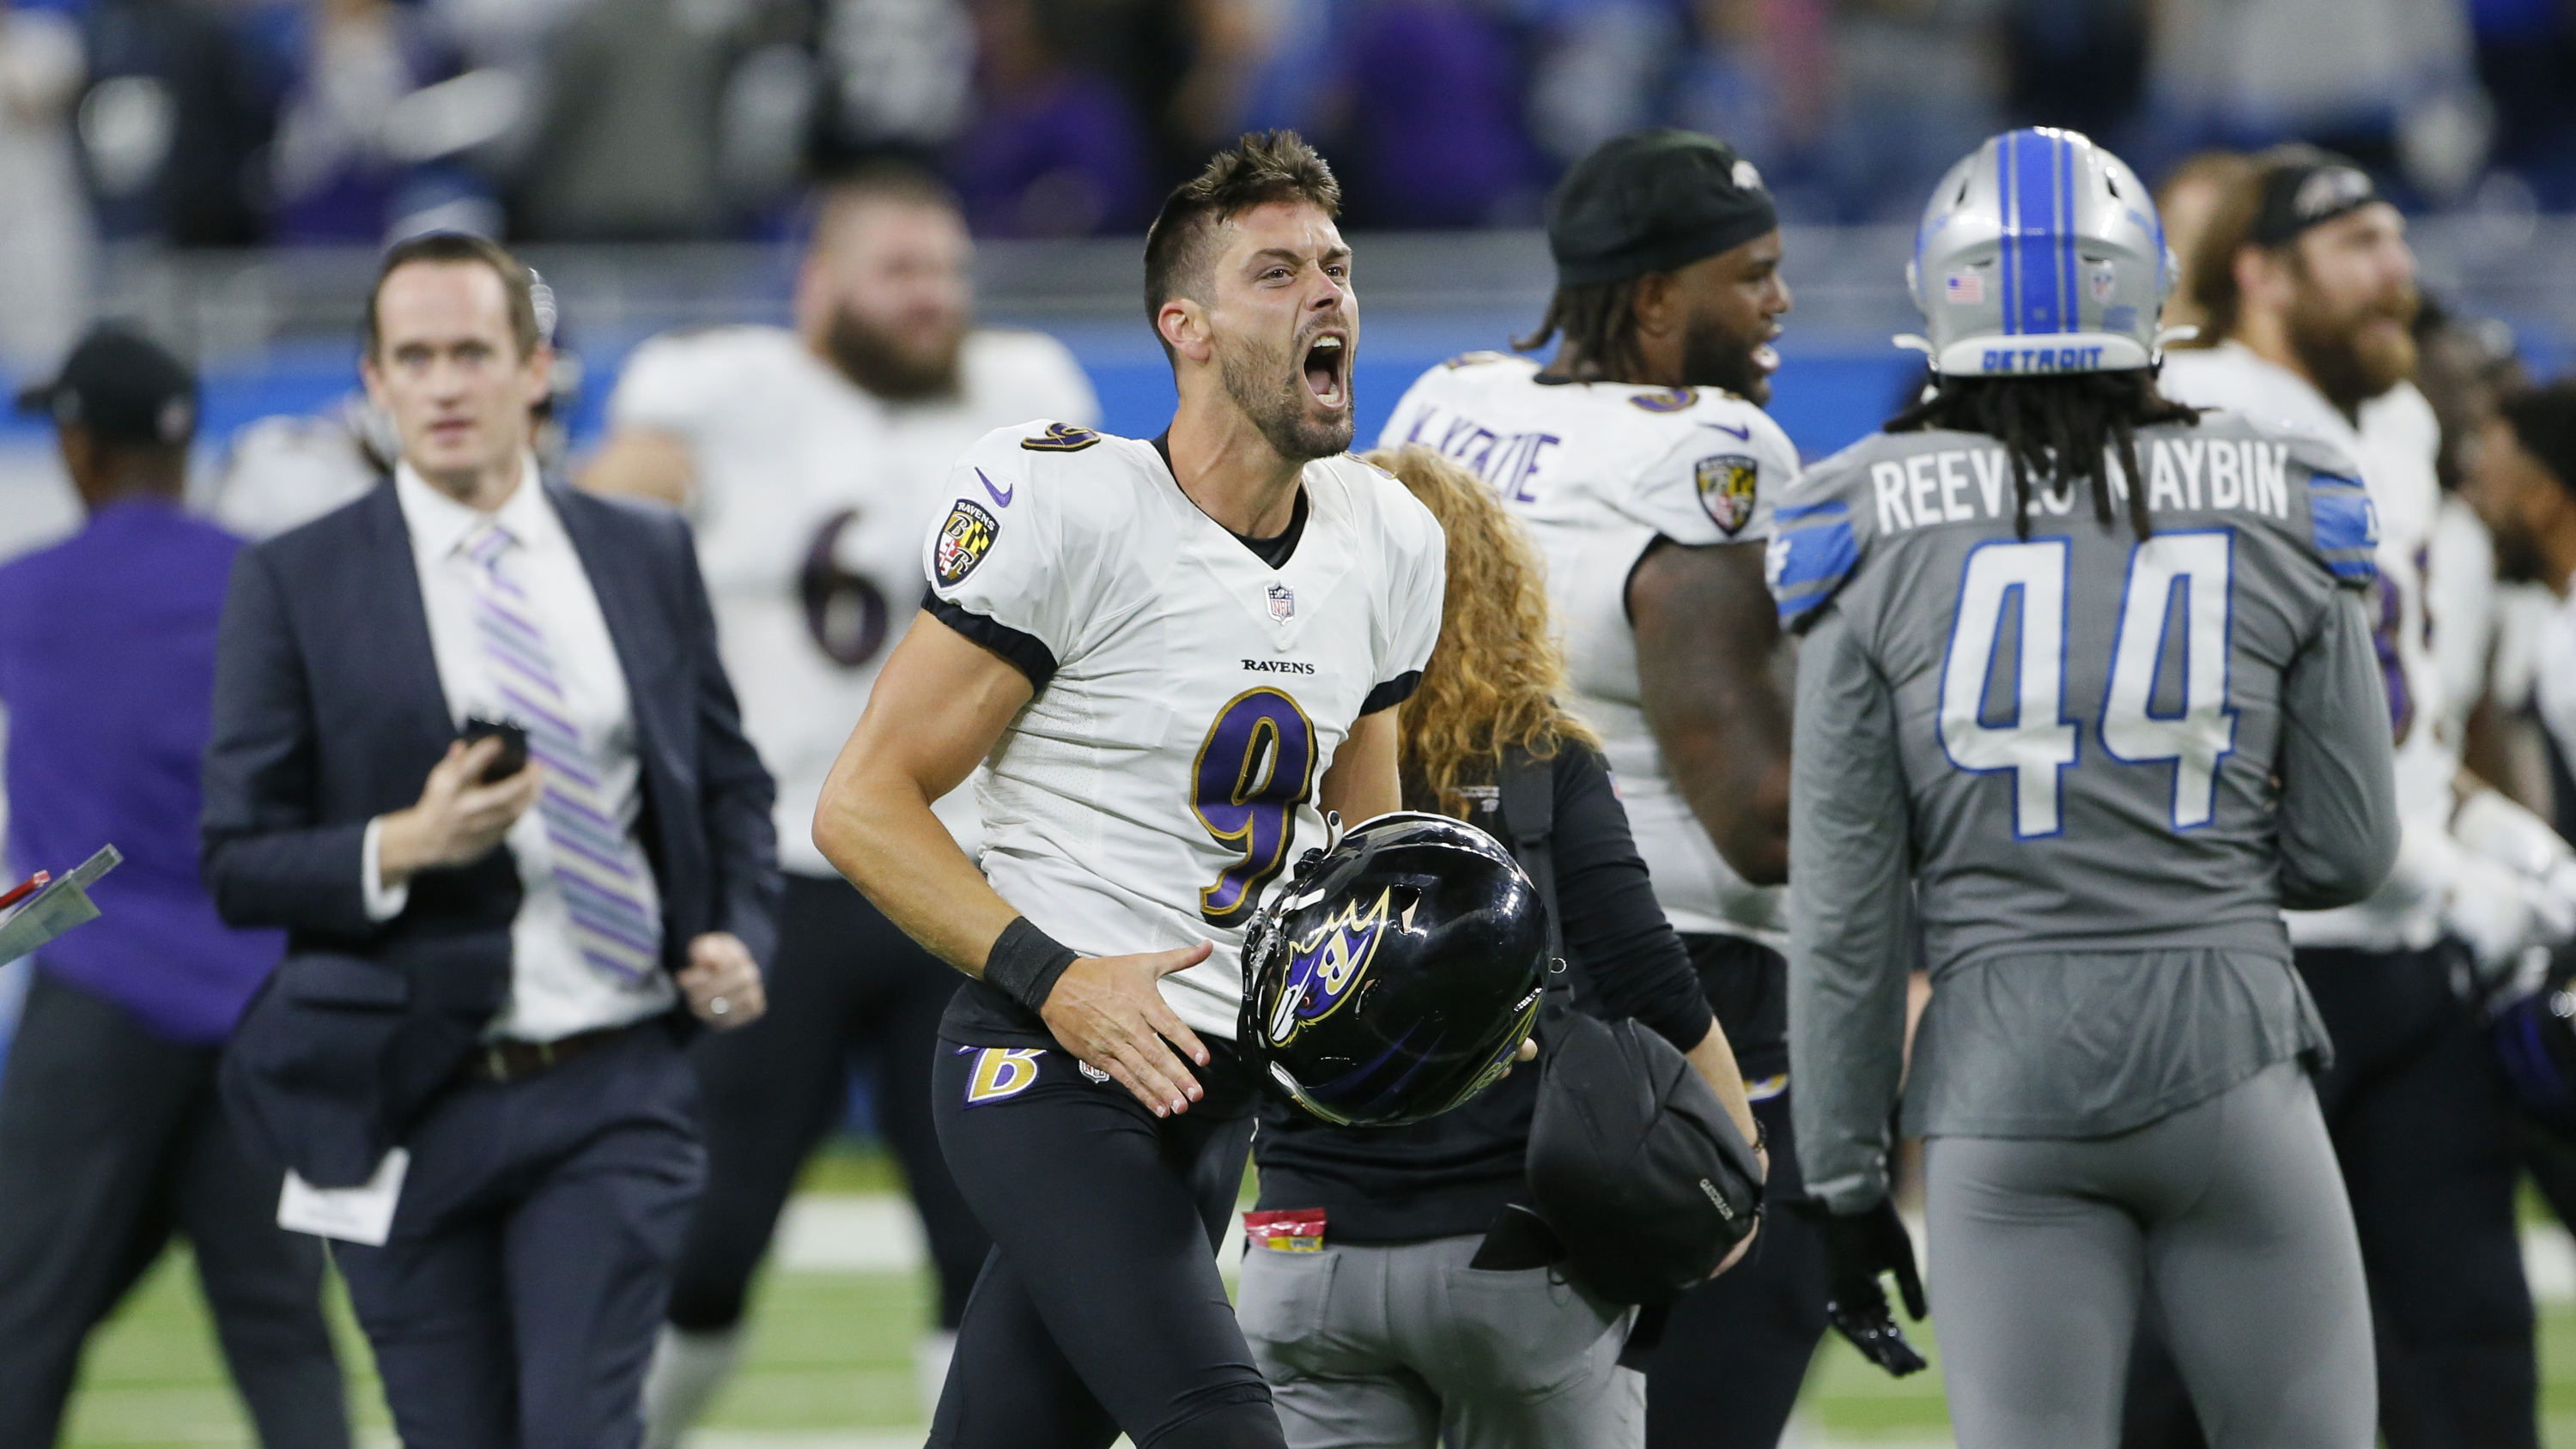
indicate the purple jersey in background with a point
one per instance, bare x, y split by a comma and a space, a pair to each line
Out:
107, 665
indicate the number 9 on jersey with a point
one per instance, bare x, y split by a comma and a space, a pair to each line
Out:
1253, 771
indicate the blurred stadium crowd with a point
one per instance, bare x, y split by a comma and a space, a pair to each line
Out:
232, 123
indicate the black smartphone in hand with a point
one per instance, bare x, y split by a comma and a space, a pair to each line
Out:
514, 748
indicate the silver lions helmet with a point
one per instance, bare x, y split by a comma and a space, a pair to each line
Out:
2040, 253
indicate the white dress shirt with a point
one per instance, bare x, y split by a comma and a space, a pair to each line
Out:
554, 993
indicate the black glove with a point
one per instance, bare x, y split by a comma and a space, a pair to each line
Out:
1858, 1247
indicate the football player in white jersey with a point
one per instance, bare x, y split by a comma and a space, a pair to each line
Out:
2308, 288
1170, 658
1643, 464
811, 460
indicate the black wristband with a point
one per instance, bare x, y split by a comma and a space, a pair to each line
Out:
1026, 961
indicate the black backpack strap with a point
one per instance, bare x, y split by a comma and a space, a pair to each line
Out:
1528, 797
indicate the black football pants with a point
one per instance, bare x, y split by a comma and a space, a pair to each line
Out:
1100, 1309
1735, 1350
110, 1141
2424, 1132
846, 983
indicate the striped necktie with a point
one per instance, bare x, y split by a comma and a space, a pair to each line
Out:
599, 867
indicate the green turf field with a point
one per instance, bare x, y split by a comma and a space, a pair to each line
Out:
833, 1351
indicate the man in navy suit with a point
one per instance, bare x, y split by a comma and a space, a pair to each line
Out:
489, 965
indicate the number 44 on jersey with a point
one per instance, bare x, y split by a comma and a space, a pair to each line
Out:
2030, 737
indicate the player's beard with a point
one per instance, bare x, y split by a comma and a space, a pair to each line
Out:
2350, 362
2518, 559
890, 365
1271, 390
1714, 357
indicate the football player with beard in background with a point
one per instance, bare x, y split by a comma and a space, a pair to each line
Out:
2307, 288
811, 460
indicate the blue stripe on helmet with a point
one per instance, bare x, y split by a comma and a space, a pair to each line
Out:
2007, 291
2032, 233
2070, 318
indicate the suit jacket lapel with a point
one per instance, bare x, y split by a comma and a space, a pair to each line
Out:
618, 578
398, 636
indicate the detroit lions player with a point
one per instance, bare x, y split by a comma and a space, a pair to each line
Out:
2087, 691
1170, 657
1641, 461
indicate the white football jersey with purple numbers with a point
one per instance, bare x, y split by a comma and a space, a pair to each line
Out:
1598, 471
1189, 696
810, 499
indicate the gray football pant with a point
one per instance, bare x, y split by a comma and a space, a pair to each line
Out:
2230, 1214
1407, 1347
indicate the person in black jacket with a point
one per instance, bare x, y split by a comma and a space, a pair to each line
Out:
1357, 1296
471, 1057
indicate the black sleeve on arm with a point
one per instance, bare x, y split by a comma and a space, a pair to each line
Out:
1392, 693
1633, 962
1023, 652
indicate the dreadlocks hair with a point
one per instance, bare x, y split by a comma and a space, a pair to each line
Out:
1599, 322
2059, 428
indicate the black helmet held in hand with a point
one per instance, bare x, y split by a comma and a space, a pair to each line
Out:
1397, 973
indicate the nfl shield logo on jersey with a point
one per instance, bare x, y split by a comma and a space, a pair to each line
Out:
1726, 490
963, 541
1283, 603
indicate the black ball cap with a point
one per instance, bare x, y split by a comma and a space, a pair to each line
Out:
123, 388
2543, 420
2311, 188
1653, 201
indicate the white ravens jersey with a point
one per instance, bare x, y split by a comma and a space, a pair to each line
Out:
2462, 592
1189, 696
810, 502
283, 472
1598, 471
2395, 444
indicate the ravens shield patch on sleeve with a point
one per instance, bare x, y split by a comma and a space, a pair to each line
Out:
963, 541
1726, 485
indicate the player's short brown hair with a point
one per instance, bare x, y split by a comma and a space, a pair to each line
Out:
2220, 169
518, 284
1261, 167
899, 182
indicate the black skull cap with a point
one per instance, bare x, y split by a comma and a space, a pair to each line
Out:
123, 388
1653, 201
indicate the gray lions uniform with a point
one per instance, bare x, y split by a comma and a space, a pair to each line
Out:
2104, 766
